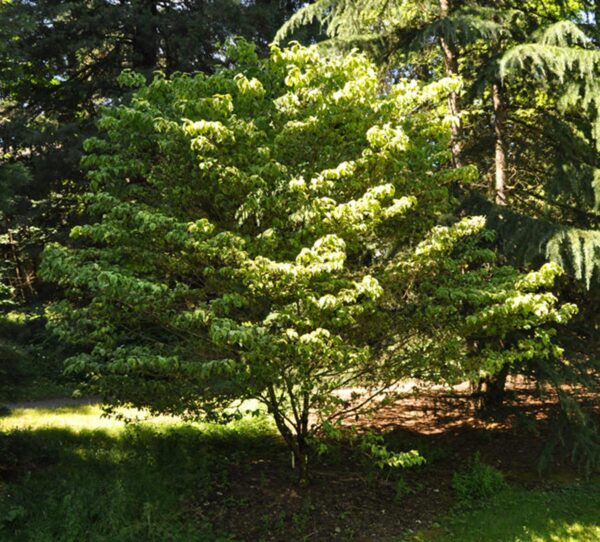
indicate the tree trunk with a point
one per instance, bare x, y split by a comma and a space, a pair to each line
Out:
500, 130
495, 390
302, 462
451, 66
297, 442
22, 283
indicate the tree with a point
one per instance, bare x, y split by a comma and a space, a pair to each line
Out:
540, 197
502, 109
14, 274
565, 64
59, 62
271, 232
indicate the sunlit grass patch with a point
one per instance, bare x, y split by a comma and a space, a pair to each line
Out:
564, 514
75, 418
71, 473
78, 418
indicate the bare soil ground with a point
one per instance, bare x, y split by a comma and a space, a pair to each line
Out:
348, 500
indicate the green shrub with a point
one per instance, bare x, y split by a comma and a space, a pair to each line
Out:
478, 481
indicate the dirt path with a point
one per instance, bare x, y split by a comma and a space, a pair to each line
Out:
55, 403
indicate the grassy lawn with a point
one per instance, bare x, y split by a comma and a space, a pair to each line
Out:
567, 514
73, 475
69, 474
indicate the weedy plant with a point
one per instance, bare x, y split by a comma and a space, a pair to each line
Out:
477, 482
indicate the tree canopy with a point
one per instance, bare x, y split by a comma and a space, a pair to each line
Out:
279, 230
59, 64
529, 72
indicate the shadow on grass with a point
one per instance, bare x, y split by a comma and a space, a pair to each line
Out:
122, 486
167, 482
72, 476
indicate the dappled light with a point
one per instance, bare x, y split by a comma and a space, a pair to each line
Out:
300, 271
131, 481
570, 515
77, 418
122, 482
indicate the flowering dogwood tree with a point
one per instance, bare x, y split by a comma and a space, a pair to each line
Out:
277, 231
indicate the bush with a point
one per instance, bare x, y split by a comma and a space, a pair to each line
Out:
478, 481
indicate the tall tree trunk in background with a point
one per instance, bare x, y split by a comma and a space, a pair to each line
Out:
451, 65
500, 115
495, 385
493, 390
22, 283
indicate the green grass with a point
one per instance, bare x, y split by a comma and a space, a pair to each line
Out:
77, 418
74, 476
70, 474
564, 514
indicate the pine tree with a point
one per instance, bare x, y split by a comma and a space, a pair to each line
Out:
563, 62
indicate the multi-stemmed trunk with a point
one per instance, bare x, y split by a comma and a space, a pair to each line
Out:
294, 432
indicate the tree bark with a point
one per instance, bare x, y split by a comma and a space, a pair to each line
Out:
23, 285
296, 442
451, 66
495, 390
500, 117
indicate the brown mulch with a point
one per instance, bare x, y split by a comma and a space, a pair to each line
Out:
349, 500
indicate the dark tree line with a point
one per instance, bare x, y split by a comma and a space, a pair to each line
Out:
59, 65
